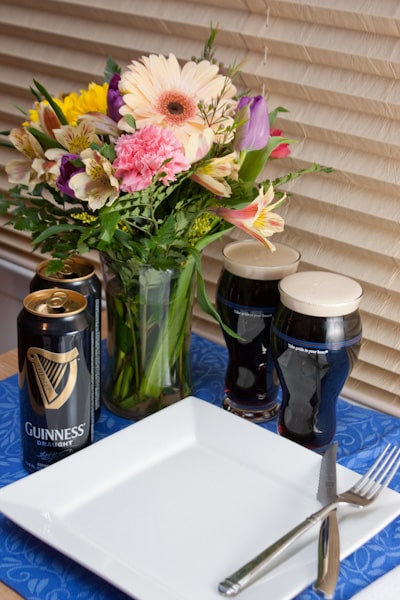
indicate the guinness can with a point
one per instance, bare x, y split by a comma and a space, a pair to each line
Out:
78, 274
55, 332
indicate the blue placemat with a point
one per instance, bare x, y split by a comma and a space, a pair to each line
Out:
38, 572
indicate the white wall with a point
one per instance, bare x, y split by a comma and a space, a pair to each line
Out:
14, 286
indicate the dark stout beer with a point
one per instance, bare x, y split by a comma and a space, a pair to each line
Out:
54, 360
78, 274
316, 338
247, 296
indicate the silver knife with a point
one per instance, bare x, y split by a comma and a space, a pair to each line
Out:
328, 543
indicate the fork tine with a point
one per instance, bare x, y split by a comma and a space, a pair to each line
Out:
384, 473
391, 469
370, 474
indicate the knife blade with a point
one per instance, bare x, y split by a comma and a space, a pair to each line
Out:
328, 543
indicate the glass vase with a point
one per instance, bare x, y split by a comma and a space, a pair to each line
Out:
149, 313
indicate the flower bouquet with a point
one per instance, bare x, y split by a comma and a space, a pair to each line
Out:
148, 169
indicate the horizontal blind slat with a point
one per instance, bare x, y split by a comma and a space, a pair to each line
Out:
360, 15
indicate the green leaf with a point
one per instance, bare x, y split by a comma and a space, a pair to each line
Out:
108, 222
21, 110
130, 121
55, 230
255, 160
4, 206
212, 237
38, 96
53, 104
110, 69
55, 265
274, 113
108, 151
44, 140
205, 302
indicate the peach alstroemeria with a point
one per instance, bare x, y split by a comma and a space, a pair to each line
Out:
25, 142
103, 124
45, 171
48, 119
19, 171
77, 138
32, 172
199, 145
97, 185
213, 174
256, 218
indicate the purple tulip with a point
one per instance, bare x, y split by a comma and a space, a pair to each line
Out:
114, 98
67, 169
252, 132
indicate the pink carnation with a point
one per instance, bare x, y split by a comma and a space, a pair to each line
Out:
143, 154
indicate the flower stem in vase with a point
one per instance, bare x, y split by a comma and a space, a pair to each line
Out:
167, 361
149, 321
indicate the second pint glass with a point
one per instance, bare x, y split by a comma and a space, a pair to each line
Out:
315, 341
247, 296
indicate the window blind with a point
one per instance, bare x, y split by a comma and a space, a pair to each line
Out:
333, 64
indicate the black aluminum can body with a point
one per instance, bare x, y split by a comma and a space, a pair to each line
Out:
79, 275
55, 332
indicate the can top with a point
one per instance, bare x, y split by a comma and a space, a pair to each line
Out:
320, 293
252, 260
74, 269
55, 303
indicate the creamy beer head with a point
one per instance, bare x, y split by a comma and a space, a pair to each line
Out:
252, 260
320, 293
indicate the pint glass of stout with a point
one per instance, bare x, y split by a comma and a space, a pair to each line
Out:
247, 296
315, 340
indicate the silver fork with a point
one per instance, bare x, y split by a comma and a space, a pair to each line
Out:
361, 494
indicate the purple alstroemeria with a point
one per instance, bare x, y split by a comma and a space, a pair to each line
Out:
68, 168
114, 98
252, 132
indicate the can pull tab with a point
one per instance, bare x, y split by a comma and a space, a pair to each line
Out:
57, 302
68, 271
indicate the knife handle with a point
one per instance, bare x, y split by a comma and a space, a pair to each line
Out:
328, 556
255, 568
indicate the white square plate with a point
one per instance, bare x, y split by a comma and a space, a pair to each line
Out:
170, 506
